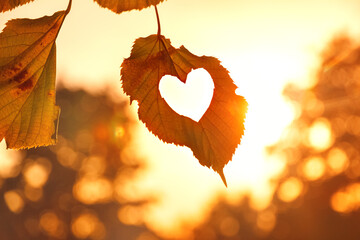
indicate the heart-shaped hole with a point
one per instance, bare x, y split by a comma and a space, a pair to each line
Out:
191, 99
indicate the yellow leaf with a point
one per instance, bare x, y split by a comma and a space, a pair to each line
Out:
214, 138
119, 6
6, 5
27, 81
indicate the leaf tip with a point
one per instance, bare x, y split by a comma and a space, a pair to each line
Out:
221, 173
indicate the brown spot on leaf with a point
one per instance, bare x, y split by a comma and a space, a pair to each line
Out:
15, 69
28, 84
51, 93
20, 77
15, 92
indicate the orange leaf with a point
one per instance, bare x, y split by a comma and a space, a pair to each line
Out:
6, 5
214, 138
120, 6
27, 81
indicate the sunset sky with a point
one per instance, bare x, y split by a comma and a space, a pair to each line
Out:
264, 45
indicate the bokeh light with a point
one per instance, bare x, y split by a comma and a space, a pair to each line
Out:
337, 160
313, 168
131, 215
10, 163
36, 173
67, 157
290, 189
33, 194
320, 136
266, 220
87, 225
229, 227
52, 225
14, 201
346, 200
93, 166
93, 190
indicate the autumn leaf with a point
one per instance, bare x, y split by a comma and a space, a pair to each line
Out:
120, 6
6, 5
27, 81
214, 138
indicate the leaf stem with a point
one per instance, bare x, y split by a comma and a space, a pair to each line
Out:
158, 21
161, 39
68, 7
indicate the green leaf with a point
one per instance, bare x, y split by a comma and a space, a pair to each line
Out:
214, 138
27, 81
6, 5
119, 6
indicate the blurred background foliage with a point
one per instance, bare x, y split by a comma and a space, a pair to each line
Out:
317, 194
75, 190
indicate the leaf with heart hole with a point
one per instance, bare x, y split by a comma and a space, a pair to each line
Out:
119, 6
214, 138
27, 81
6, 5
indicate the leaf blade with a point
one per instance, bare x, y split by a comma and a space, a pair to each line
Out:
119, 6
215, 137
27, 81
